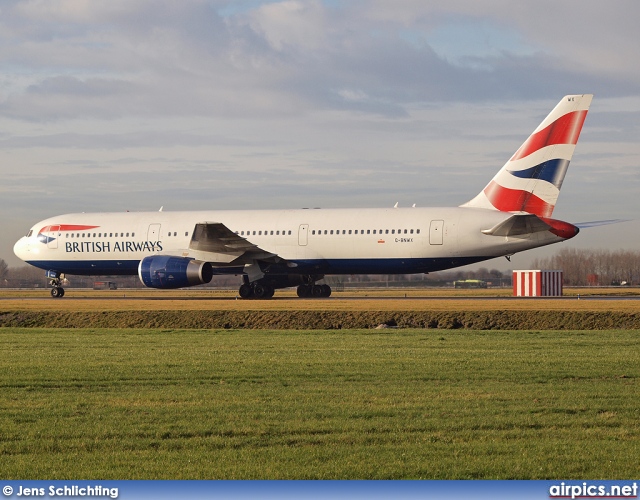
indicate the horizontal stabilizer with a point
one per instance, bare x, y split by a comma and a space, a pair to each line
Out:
517, 225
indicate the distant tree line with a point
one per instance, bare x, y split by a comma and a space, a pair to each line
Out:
4, 270
594, 267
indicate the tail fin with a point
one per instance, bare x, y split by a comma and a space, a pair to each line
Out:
531, 180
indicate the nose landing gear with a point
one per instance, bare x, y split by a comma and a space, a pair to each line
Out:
55, 280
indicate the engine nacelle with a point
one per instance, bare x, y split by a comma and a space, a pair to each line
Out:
165, 271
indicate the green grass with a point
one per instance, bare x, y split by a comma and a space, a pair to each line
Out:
139, 404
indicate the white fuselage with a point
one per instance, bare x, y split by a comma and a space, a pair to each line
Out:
318, 241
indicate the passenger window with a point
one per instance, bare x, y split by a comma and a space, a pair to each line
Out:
386, 232
393, 231
350, 231
271, 233
412, 231
418, 231
331, 231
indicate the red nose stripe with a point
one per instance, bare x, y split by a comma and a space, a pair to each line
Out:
67, 227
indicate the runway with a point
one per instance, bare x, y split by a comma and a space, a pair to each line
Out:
288, 296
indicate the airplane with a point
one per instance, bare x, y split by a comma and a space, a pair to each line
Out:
274, 249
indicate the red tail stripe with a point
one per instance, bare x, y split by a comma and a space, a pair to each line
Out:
517, 200
565, 130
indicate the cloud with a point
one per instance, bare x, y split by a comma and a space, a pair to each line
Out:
169, 58
293, 24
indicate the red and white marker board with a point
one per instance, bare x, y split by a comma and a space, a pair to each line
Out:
537, 283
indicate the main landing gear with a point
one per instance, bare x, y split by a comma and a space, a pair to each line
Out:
315, 291
55, 280
256, 290
264, 288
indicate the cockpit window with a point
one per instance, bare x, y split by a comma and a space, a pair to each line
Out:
29, 233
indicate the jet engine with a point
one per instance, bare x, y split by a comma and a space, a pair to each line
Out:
165, 271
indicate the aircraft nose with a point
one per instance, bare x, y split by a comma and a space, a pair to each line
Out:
21, 248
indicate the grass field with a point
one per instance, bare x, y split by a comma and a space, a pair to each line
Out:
178, 404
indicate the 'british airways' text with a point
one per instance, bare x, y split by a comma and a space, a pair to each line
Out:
107, 246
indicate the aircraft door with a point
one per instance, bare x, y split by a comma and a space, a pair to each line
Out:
153, 233
303, 235
54, 235
436, 230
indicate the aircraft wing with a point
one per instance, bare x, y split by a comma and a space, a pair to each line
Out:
215, 243
517, 225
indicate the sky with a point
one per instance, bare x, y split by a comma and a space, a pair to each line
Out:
114, 105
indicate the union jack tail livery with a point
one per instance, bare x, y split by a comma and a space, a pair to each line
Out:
530, 181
